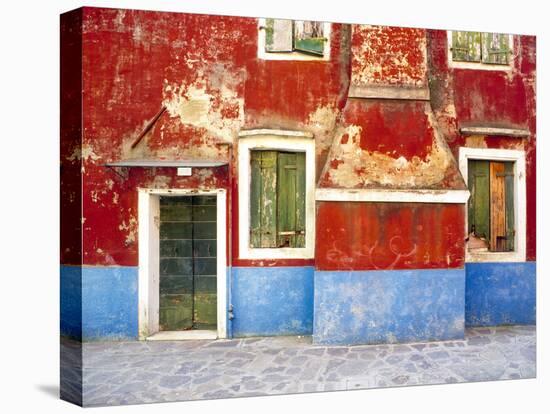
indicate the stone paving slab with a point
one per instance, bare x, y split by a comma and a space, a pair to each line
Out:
144, 372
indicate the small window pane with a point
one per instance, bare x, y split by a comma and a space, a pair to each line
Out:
466, 46
278, 35
496, 48
309, 37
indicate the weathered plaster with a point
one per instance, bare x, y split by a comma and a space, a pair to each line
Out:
358, 159
388, 55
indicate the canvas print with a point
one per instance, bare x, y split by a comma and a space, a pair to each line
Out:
262, 206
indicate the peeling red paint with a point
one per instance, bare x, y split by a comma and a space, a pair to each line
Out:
389, 236
388, 55
206, 71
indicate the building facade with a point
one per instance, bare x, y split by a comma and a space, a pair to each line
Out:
230, 177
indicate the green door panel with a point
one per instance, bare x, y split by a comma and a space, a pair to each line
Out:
187, 263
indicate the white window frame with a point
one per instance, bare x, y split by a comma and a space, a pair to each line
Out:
520, 201
294, 55
478, 65
148, 272
280, 140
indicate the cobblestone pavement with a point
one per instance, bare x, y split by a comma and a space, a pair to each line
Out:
142, 372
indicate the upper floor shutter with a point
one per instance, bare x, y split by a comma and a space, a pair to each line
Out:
309, 37
496, 48
466, 46
278, 35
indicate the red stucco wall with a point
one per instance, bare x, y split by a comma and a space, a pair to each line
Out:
389, 236
205, 70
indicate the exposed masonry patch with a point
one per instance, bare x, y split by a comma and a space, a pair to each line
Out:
350, 166
388, 55
85, 153
130, 228
220, 112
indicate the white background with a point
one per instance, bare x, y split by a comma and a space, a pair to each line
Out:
29, 142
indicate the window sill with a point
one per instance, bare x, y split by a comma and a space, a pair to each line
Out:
477, 257
480, 66
291, 56
277, 253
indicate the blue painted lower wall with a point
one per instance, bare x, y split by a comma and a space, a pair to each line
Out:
70, 301
108, 299
366, 307
500, 293
101, 303
272, 301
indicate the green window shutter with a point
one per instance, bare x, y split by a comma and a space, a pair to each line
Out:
509, 201
466, 46
300, 199
263, 199
495, 48
479, 203
278, 35
291, 200
309, 37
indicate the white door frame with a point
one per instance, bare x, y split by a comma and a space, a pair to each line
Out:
148, 278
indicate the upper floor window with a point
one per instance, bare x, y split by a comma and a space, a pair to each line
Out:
484, 49
282, 39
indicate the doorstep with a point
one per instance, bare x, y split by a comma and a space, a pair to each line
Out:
182, 335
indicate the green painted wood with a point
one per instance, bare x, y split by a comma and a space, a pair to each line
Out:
205, 248
286, 200
300, 199
175, 230
268, 218
309, 37
278, 35
255, 199
204, 213
176, 266
479, 203
311, 45
175, 312
263, 200
495, 48
187, 266
509, 200
466, 46
176, 284
204, 230
206, 284
204, 268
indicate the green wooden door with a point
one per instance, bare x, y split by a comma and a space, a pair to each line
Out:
187, 263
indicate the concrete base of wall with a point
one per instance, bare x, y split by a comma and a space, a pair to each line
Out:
500, 294
271, 301
368, 307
